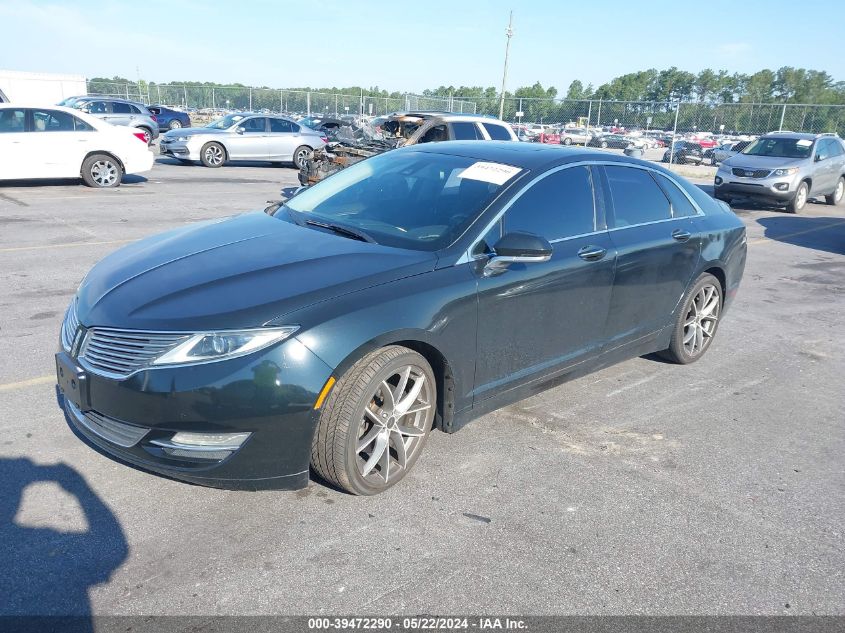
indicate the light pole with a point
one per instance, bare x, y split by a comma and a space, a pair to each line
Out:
509, 33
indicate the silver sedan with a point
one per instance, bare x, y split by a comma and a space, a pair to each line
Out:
244, 136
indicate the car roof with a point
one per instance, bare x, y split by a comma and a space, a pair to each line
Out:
796, 135
530, 156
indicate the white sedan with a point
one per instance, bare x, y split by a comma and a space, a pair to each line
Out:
57, 142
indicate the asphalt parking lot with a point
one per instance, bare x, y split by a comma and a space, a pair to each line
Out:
646, 488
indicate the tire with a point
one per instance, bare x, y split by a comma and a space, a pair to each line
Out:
175, 124
836, 197
301, 155
148, 134
800, 199
567, 141
101, 171
357, 428
213, 155
698, 318
604, 144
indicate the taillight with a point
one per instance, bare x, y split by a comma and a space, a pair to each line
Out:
325, 139
153, 117
140, 136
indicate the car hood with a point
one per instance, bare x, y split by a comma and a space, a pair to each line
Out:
237, 273
762, 162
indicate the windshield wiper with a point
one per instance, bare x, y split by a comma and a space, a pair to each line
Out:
355, 234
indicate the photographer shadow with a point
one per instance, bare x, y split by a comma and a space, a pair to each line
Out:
45, 571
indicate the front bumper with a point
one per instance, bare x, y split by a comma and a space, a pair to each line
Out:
178, 149
270, 394
770, 189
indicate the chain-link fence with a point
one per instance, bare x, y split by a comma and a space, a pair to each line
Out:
729, 118
246, 98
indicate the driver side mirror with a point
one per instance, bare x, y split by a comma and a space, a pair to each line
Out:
820, 157
240, 130
517, 248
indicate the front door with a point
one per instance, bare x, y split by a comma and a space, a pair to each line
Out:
253, 143
535, 318
16, 155
658, 245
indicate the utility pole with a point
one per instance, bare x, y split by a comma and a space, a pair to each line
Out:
509, 33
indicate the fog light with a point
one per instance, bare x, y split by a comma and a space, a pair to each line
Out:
718, 180
782, 186
228, 441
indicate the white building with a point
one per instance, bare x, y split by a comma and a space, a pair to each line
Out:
23, 87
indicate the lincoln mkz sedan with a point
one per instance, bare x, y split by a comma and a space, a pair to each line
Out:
417, 289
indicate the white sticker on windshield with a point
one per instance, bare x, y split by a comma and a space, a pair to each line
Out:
495, 173
803, 143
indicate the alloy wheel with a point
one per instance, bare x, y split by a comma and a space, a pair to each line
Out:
701, 320
393, 426
104, 173
840, 190
148, 137
801, 197
214, 155
175, 124
301, 158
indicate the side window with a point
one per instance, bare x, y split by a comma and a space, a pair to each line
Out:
636, 197
497, 132
81, 126
12, 121
98, 107
280, 125
836, 148
435, 135
121, 108
52, 121
256, 125
135, 109
681, 206
823, 148
466, 131
558, 206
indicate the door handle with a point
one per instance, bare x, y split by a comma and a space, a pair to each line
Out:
681, 235
592, 253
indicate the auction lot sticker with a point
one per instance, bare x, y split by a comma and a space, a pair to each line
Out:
495, 173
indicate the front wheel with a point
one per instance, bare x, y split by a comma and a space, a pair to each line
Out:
697, 321
567, 141
797, 203
213, 155
301, 156
375, 422
604, 144
836, 197
101, 171
175, 124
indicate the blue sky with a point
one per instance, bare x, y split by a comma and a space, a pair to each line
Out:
413, 45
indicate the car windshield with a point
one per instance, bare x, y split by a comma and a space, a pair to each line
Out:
415, 200
311, 122
780, 147
226, 122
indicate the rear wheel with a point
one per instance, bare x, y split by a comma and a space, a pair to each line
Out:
148, 135
301, 156
101, 171
797, 203
697, 321
213, 155
375, 422
175, 124
567, 141
604, 144
836, 196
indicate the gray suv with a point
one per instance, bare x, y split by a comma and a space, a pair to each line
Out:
120, 112
785, 168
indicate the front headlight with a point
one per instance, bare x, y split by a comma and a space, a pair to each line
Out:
785, 172
177, 138
204, 347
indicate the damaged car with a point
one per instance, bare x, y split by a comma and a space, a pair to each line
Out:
353, 143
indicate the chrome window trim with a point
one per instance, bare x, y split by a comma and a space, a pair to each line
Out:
468, 256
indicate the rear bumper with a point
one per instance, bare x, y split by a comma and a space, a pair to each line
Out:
139, 162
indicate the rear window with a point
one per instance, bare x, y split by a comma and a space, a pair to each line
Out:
121, 108
497, 132
155, 110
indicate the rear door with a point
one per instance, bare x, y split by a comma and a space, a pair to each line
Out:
284, 138
253, 143
122, 113
658, 246
59, 142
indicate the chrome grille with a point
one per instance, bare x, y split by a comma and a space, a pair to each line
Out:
115, 431
750, 173
119, 353
69, 326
